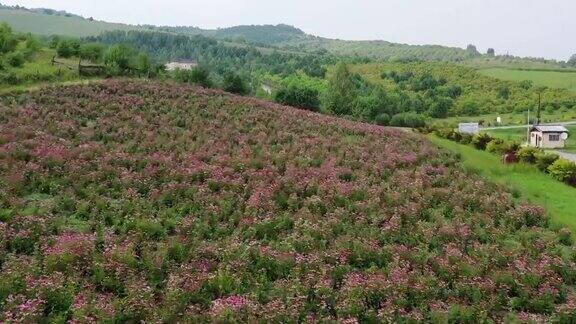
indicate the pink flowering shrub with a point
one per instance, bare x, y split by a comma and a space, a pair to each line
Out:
129, 201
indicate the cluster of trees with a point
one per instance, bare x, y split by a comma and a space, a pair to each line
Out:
344, 93
351, 95
435, 96
300, 91
219, 57
442, 89
118, 59
15, 49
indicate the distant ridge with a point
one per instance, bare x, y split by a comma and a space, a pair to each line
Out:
47, 22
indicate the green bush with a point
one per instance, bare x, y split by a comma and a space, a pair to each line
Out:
527, 154
466, 139
544, 160
408, 120
298, 96
199, 76
500, 146
15, 59
563, 170
10, 78
235, 84
382, 119
480, 141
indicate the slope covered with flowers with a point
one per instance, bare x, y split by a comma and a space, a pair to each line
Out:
130, 200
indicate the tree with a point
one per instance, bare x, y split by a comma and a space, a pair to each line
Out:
201, 76
440, 107
198, 75
8, 41
143, 64
235, 84
491, 52
68, 48
92, 52
572, 60
471, 51
341, 94
118, 58
503, 92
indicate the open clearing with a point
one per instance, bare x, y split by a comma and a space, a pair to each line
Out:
552, 79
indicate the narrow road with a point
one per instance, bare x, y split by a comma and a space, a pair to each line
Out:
565, 155
573, 122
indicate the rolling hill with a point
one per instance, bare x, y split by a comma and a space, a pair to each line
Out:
287, 37
44, 24
129, 201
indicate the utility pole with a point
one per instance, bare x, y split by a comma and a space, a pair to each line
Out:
528, 131
539, 108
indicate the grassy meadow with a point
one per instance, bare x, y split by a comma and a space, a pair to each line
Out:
552, 79
524, 181
47, 25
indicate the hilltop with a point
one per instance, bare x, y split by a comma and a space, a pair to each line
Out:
50, 22
148, 201
47, 23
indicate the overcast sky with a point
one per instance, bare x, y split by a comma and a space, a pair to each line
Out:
542, 28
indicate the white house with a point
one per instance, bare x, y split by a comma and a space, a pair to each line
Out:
181, 64
548, 136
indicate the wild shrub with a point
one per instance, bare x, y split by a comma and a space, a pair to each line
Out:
545, 160
527, 154
382, 119
480, 141
234, 83
563, 170
411, 120
499, 146
466, 139
298, 96
15, 59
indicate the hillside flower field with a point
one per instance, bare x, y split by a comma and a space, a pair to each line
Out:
147, 201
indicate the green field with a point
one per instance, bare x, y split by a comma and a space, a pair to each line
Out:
552, 79
524, 181
47, 25
520, 134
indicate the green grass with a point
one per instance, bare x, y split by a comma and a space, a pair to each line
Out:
524, 181
47, 25
485, 62
552, 79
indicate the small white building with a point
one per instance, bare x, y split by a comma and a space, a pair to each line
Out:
550, 137
181, 64
469, 128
